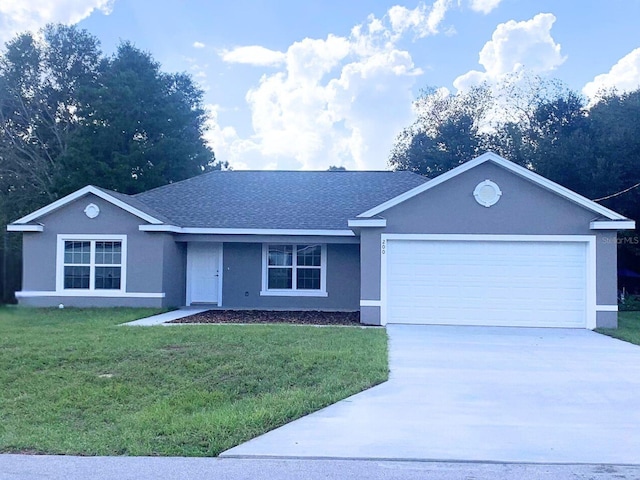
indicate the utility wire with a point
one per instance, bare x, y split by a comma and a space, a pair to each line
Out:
616, 194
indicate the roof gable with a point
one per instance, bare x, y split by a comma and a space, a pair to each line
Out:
506, 164
112, 197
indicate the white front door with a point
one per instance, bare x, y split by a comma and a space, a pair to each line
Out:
203, 272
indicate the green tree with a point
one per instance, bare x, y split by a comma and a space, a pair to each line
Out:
43, 101
511, 118
146, 130
68, 116
448, 131
616, 125
556, 141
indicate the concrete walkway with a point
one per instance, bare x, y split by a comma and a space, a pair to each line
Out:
165, 317
482, 394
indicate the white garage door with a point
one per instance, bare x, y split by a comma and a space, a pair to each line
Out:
502, 283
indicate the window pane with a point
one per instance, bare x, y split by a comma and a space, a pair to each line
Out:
107, 278
280, 278
309, 255
77, 252
76, 277
308, 278
108, 253
280, 255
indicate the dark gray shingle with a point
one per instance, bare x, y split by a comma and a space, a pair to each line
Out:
275, 199
135, 203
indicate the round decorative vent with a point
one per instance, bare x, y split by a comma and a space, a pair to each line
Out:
92, 210
487, 193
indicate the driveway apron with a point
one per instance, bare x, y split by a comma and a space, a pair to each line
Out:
481, 394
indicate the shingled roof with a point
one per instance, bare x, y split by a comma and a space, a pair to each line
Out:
275, 199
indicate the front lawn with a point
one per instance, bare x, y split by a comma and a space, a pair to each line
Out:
628, 327
74, 382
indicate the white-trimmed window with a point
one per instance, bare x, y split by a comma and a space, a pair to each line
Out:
91, 263
294, 270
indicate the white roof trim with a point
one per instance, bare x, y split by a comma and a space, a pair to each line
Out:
244, 231
160, 228
368, 222
613, 225
25, 228
517, 169
80, 193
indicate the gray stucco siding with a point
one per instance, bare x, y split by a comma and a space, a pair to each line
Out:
370, 263
144, 263
607, 319
174, 271
38, 262
242, 280
370, 315
86, 302
606, 268
523, 209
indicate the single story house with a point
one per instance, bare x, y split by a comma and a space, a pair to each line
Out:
487, 243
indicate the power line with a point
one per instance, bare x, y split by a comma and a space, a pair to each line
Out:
616, 194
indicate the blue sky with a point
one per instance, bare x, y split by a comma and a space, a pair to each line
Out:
309, 84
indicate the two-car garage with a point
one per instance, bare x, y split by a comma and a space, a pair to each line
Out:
537, 281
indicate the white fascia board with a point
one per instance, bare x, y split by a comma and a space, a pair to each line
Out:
24, 228
613, 225
517, 169
80, 193
244, 231
160, 228
368, 222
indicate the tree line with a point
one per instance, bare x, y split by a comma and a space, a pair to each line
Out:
70, 116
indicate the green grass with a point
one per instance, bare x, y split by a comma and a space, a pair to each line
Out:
73, 382
628, 327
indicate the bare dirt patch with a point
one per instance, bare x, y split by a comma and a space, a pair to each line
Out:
264, 316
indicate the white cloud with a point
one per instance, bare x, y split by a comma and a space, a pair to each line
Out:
421, 20
624, 76
226, 140
484, 6
17, 16
254, 55
198, 45
340, 100
515, 46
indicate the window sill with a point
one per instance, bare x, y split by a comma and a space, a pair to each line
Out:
88, 293
93, 292
293, 293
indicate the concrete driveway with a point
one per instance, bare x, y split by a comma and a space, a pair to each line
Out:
482, 394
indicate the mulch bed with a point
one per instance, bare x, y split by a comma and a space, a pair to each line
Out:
264, 316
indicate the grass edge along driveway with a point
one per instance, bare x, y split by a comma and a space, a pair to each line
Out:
74, 382
628, 327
